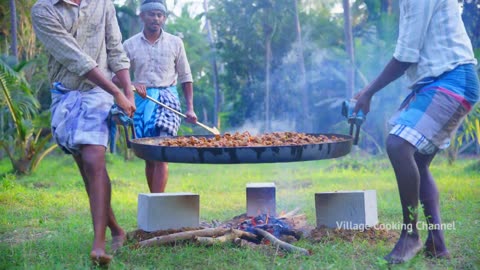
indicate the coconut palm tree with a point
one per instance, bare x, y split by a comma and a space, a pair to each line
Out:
22, 128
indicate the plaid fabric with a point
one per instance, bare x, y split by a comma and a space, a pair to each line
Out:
151, 119
80, 37
423, 145
435, 109
80, 117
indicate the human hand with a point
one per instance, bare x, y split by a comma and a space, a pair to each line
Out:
191, 116
363, 99
141, 89
125, 104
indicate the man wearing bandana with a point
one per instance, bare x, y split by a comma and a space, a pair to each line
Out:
158, 61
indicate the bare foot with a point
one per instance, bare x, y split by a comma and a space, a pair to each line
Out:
406, 248
436, 251
118, 241
100, 258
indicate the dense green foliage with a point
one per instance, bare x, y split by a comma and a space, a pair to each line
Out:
22, 125
45, 220
257, 51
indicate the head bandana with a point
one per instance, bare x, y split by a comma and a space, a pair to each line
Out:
153, 6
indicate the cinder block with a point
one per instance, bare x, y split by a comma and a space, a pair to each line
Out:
346, 209
162, 211
261, 199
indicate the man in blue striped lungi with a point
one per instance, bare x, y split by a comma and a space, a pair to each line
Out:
158, 61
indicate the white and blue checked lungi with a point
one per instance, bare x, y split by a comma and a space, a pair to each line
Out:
80, 117
153, 120
435, 108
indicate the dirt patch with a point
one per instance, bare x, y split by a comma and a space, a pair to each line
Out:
298, 224
373, 235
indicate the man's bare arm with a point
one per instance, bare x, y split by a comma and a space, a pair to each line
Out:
392, 71
187, 88
97, 77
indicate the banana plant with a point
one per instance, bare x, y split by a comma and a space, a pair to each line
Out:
24, 133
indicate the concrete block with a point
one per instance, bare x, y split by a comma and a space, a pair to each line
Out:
261, 199
347, 209
162, 211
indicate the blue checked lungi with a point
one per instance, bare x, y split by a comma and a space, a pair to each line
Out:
436, 107
151, 119
79, 117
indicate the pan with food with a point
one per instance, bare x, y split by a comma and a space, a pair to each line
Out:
243, 148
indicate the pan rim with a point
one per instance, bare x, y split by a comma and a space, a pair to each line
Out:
138, 141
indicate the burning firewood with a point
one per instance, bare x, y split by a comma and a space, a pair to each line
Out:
228, 237
279, 243
244, 231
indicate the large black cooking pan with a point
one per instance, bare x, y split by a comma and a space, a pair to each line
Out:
148, 149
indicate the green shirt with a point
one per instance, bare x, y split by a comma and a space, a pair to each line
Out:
78, 39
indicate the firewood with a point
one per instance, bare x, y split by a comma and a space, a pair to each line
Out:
246, 235
279, 243
193, 235
231, 235
208, 241
172, 238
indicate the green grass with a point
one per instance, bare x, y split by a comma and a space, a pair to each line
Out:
45, 220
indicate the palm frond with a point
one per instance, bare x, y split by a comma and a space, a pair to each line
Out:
12, 75
8, 100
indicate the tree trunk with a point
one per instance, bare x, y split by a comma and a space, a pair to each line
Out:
386, 6
306, 125
350, 67
216, 111
21, 166
13, 27
268, 59
268, 32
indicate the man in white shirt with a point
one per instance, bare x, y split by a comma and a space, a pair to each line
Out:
158, 61
434, 51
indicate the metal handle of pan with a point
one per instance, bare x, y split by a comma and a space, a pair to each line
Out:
213, 130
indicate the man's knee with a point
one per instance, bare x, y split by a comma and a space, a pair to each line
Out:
397, 145
93, 155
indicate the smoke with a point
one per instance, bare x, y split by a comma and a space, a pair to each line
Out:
258, 127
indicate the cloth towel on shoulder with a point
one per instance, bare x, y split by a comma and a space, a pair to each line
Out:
152, 119
79, 117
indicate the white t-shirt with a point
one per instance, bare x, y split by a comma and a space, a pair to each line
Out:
433, 37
